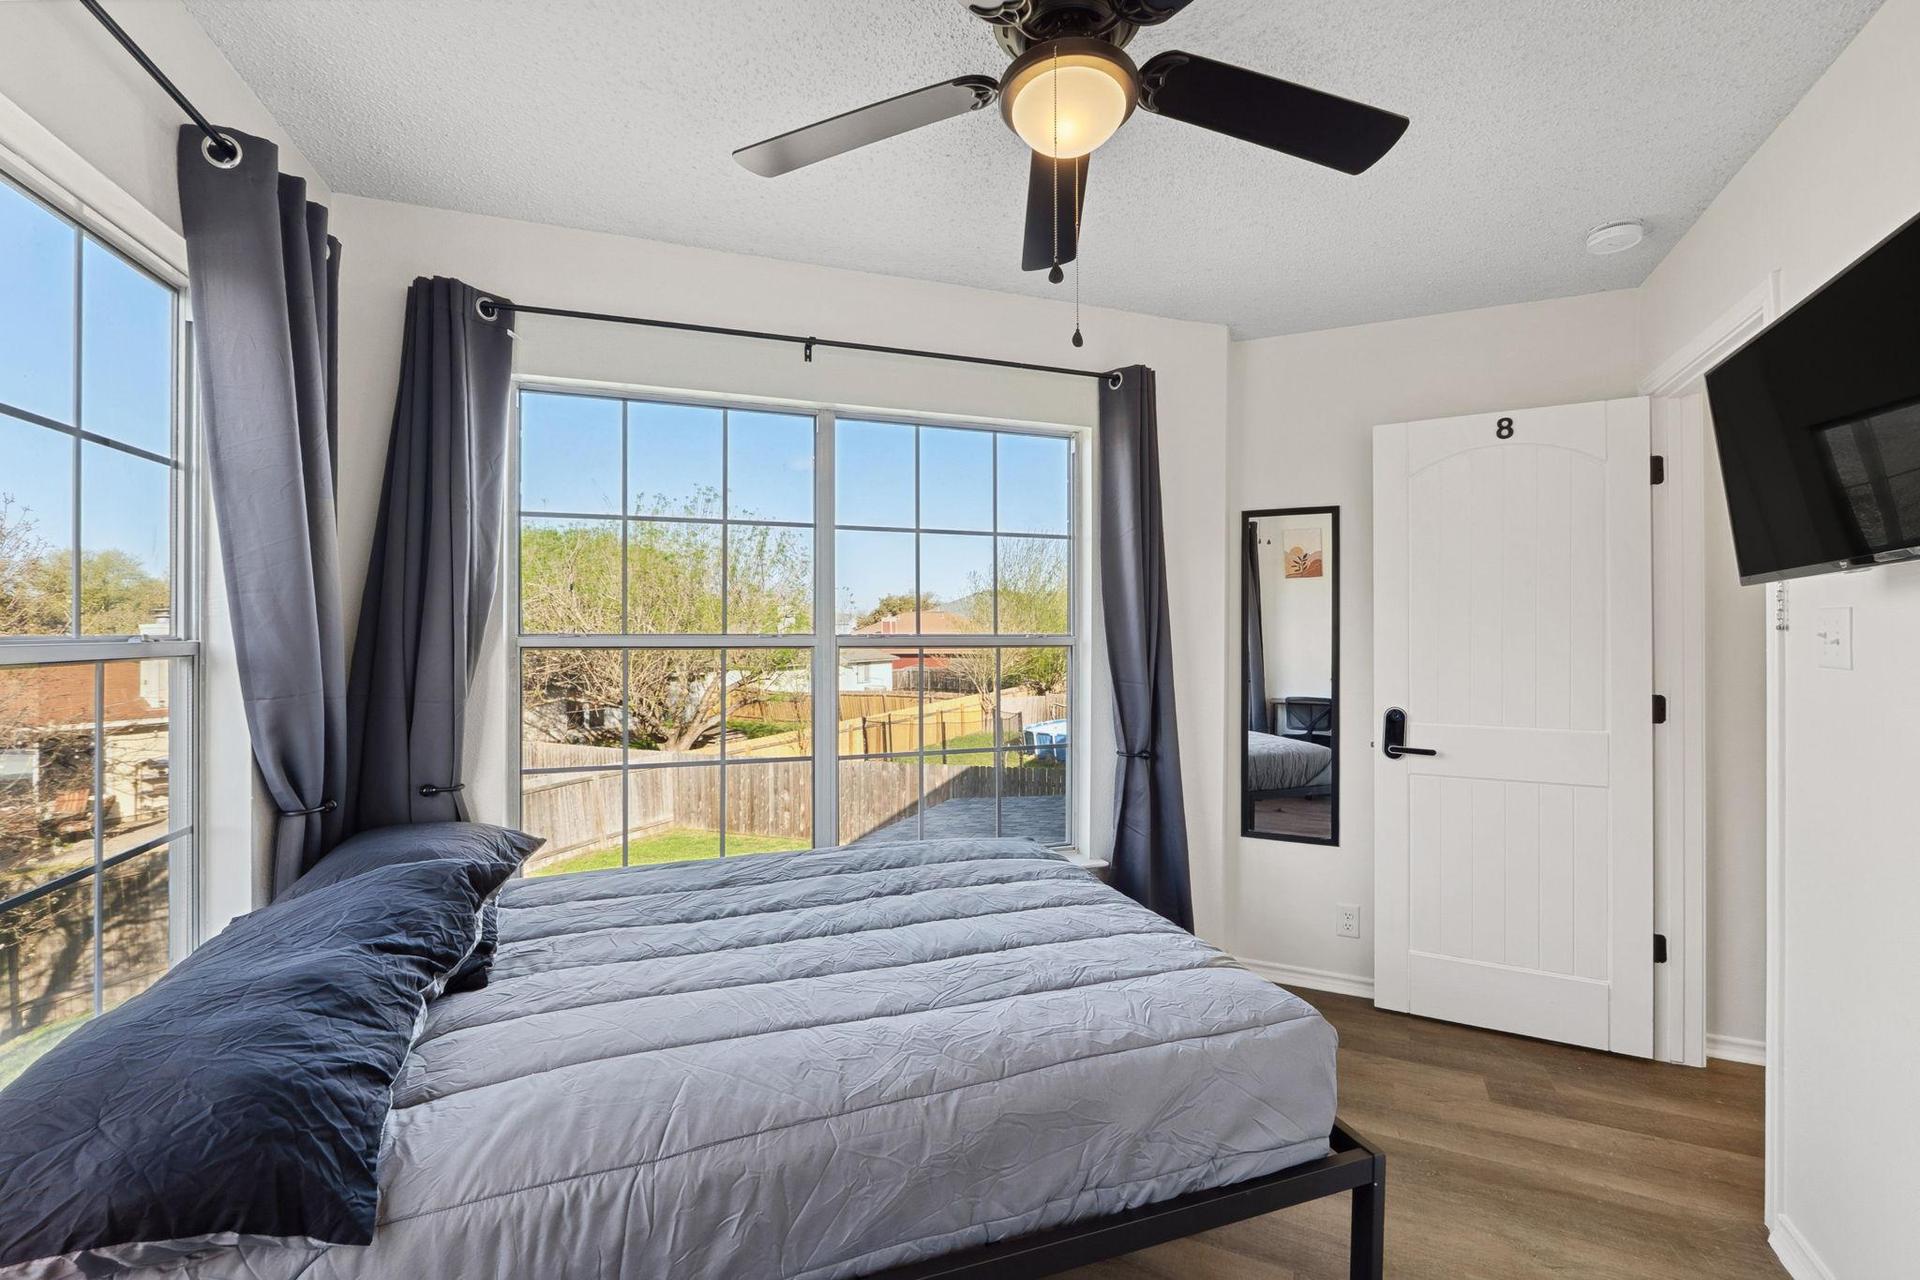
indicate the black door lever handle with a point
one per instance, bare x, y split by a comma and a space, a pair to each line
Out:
1393, 737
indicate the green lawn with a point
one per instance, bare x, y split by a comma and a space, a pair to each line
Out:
17, 1055
678, 845
983, 741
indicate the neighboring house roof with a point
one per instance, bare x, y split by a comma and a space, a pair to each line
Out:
932, 622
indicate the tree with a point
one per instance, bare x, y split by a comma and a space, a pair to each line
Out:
32, 602
1033, 601
889, 606
117, 594
675, 699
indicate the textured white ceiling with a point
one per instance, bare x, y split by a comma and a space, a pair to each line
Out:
1533, 120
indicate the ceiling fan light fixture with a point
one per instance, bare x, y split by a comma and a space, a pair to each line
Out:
1098, 89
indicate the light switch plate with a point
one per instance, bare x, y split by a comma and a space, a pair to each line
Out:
1835, 634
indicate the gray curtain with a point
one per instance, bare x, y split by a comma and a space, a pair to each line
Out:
1254, 641
1150, 819
436, 555
265, 282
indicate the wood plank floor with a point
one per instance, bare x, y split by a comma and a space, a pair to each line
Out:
1311, 817
1513, 1159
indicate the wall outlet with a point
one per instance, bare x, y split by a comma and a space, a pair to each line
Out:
1346, 919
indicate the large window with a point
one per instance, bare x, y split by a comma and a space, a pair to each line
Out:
691, 576
96, 660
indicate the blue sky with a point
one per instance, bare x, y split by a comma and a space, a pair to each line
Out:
125, 393
570, 462
676, 455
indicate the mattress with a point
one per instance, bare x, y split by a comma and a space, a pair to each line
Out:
1275, 763
819, 1065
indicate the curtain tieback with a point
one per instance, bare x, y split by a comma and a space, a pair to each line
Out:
1135, 755
428, 789
325, 806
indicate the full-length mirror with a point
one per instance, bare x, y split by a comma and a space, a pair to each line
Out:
1290, 674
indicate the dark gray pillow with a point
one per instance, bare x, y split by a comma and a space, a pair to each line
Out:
426, 842
244, 1093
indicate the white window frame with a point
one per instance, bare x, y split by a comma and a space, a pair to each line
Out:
824, 639
68, 187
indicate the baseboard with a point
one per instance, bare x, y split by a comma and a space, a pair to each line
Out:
1735, 1049
1726, 1048
1795, 1254
1291, 976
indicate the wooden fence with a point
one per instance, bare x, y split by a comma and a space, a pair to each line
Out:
576, 811
879, 793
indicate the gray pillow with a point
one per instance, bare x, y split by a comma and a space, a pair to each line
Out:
427, 842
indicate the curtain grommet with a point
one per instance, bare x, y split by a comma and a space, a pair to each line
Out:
229, 161
1116, 380
486, 308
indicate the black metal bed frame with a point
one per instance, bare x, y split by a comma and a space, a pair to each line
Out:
1354, 1165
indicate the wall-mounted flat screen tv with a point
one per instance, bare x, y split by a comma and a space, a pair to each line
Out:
1817, 421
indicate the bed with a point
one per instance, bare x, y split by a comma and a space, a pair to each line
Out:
951, 1058
1286, 766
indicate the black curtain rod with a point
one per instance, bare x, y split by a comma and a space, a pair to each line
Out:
224, 152
489, 309
218, 148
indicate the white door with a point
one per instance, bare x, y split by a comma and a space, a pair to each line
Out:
1513, 625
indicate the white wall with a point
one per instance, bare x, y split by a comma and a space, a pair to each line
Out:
63, 69
1296, 613
1840, 173
1303, 408
388, 244
62, 73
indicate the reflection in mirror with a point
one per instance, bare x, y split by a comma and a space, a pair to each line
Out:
1290, 673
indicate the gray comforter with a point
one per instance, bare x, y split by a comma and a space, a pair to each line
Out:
1275, 763
819, 1065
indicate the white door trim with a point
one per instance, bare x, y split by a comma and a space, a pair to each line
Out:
1680, 374
1679, 618
1684, 370
1776, 1048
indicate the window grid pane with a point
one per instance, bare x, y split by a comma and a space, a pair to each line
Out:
992, 727
649, 755
87, 830
713, 750
90, 751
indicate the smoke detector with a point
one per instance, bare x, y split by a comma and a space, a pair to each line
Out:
1615, 237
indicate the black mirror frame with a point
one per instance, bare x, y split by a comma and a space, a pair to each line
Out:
1332, 839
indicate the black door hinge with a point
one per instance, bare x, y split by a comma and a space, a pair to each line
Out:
1659, 708
1659, 948
1659, 469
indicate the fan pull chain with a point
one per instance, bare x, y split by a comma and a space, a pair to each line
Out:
1079, 257
1055, 276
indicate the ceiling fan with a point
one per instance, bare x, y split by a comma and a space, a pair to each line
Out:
1070, 88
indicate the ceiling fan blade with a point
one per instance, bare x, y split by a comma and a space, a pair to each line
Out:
1321, 127
1038, 254
1147, 12
873, 123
